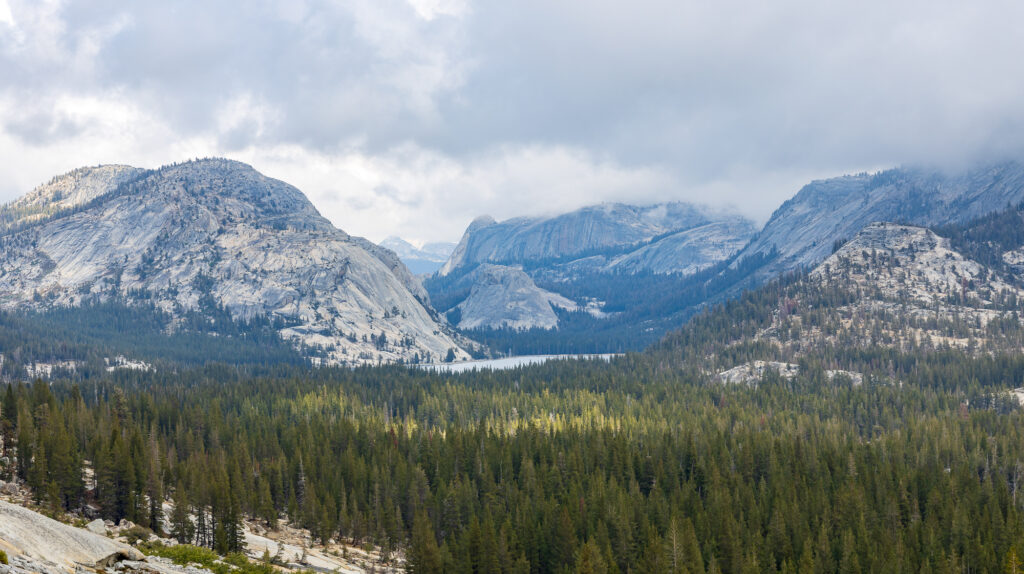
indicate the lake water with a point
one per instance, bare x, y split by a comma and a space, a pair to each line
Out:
508, 362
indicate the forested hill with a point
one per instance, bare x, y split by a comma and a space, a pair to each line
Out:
891, 290
571, 466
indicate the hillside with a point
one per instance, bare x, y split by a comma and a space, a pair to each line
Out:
804, 229
210, 236
891, 289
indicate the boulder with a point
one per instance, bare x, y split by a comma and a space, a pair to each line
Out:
97, 527
30, 535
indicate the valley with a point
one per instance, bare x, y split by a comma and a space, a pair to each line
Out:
869, 384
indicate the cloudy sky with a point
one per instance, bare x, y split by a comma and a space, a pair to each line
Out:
411, 117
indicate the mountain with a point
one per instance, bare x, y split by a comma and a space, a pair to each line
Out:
683, 252
506, 297
804, 229
609, 232
539, 273
892, 289
428, 259
208, 236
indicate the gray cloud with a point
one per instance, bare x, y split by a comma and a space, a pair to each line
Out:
390, 105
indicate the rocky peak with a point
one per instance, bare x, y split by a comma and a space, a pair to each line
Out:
217, 231
904, 262
586, 230
507, 297
234, 192
65, 192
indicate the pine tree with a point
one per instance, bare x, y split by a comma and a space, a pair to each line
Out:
424, 556
155, 487
1013, 564
182, 527
589, 560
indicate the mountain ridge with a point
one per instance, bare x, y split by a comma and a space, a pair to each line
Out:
218, 232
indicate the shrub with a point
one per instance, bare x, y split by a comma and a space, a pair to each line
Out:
136, 534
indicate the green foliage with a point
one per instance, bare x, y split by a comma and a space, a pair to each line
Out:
182, 554
137, 534
645, 463
93, 332
3, 557
571, 465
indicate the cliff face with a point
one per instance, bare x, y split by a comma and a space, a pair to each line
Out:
216, 232
804, 228
669, 238
606, 228
506, 297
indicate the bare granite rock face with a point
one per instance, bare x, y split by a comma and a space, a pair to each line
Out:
506, 297
37, 542
215, 232
66, 192
804, 229
686, 252
667, 238
610, 230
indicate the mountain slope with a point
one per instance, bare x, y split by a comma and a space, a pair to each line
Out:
572, 260
594, 230
505, 297
216, 233
804, 228
893, 290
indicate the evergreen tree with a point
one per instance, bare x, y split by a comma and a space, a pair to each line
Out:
424, 555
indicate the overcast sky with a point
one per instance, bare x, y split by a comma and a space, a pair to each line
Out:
411, 117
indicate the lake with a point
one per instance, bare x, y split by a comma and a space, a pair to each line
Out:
508, 362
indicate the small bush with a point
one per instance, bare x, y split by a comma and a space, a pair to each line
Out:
3, 557
183, 554
135, 534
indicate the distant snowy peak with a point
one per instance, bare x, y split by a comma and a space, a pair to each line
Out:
420, 260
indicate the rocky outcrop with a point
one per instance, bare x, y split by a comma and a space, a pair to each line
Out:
506, 297
216, 232
901, 287
911, 264
36, 543
753, 373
